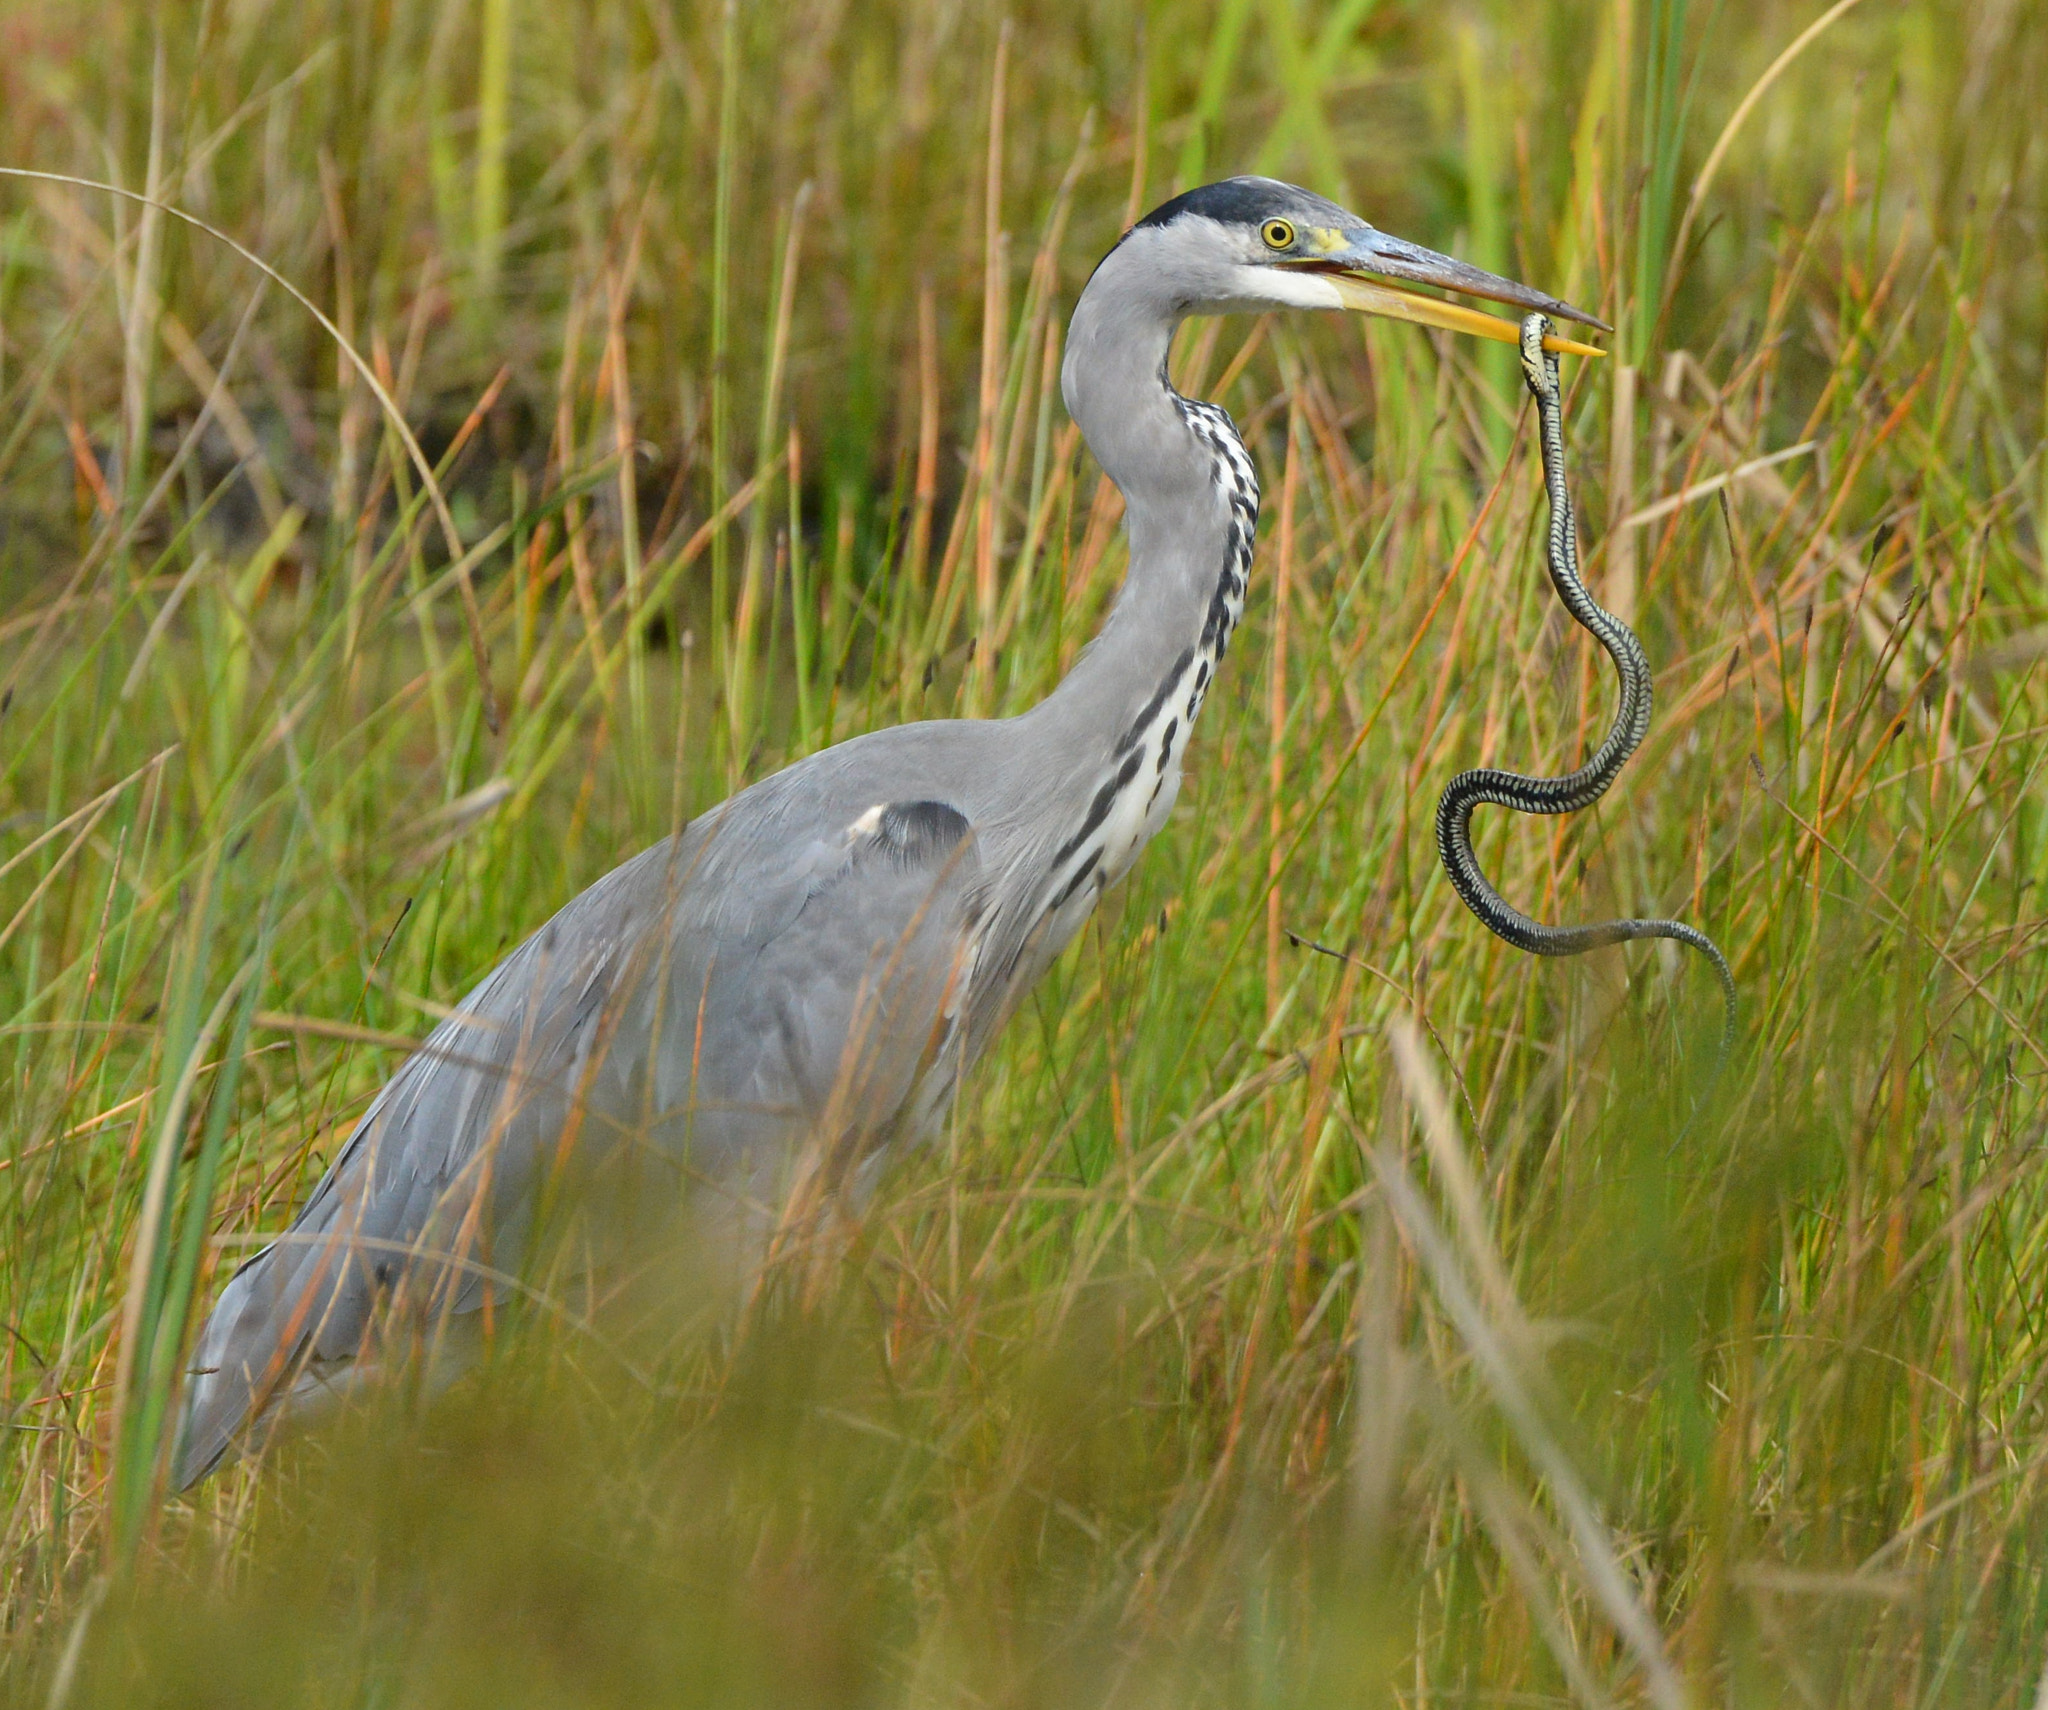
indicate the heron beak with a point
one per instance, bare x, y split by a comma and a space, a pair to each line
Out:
1361, 262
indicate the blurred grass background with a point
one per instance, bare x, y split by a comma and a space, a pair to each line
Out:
1272, 1327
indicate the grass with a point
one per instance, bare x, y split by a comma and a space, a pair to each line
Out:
1271, 1326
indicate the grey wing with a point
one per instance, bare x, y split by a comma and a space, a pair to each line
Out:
826, 1024
708, 1004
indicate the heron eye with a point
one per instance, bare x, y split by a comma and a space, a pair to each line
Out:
1278, 234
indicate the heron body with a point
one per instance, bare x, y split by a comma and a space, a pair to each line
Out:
808, 969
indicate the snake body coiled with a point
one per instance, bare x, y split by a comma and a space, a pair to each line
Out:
1583, 787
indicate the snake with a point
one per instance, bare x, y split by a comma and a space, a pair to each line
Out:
1585, 786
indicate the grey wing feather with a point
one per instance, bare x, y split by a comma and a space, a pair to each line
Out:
709, 1003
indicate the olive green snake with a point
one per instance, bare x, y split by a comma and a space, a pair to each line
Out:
1586, 785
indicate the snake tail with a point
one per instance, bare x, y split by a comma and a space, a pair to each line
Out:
1581, 788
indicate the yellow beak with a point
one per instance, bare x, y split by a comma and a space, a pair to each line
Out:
1360, 261
1371, 297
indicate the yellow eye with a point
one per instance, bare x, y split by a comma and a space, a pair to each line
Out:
1278, 234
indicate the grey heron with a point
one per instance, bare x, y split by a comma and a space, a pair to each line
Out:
808, 969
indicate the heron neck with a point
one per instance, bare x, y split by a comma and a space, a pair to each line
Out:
1190, 504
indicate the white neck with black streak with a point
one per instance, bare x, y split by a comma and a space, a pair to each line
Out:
1118, 724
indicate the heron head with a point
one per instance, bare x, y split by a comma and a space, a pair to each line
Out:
1256, 244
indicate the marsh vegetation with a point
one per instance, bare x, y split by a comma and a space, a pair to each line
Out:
1312, 1301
